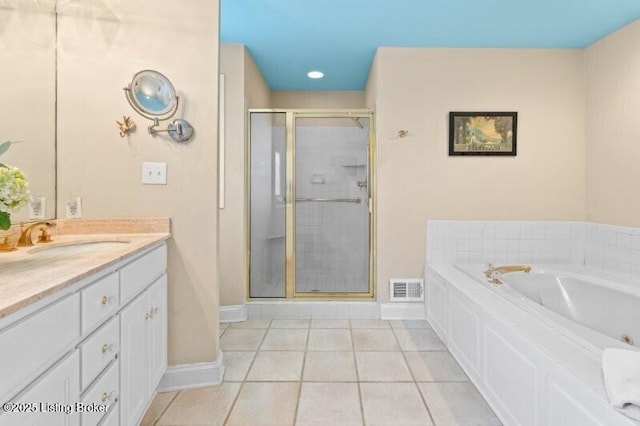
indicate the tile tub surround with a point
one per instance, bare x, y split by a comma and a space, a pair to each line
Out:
453, 242
27, 278
333, 384
612, 249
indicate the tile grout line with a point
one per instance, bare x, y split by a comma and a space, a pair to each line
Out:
304, 359
235, 400
166, 408
355, 364
415, 383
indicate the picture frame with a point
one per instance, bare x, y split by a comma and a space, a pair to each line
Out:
483, 133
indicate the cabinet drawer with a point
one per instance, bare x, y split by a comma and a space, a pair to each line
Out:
36, 341
98, 350
100, 300
141, 272
103, 393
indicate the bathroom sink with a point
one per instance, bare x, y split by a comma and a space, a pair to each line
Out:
74, 247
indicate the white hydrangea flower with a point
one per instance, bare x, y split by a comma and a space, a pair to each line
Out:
14, 191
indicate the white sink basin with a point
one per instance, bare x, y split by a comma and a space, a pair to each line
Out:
73, 247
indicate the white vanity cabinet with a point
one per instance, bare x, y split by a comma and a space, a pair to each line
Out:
100, 343
144, 354
50, 401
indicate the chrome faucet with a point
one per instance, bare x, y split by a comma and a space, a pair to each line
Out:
494, 273
26, 240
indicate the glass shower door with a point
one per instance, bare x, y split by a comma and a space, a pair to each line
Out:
331, 205
267, 225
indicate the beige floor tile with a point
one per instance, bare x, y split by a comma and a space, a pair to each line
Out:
327, 323
276, 366
285, 340
268, 404
410, 324
393, 404
236, 365
251, 323
203, 406
417, 339
330, 340
434, 366
290, 323
329, 404
382, 367
374, 340
457, 404
158, 406
329, 367
241, 340
369, 324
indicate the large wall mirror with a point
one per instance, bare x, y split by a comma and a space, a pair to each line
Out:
28, 88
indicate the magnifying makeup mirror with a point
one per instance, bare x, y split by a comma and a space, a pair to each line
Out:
152, 95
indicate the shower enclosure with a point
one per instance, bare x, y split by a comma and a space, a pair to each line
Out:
310, 204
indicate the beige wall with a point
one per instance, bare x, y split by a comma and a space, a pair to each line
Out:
417, 180
244, 88
613, 108
27, 108
97, 57
256, 90
318, 100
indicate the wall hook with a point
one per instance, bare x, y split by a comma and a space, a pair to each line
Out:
403, 133
126, 126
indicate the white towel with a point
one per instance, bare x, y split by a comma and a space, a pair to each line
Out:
621, 372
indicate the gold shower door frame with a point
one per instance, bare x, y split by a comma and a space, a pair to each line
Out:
290, 213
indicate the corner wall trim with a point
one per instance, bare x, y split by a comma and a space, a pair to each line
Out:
402, 311
189, 376
233, 313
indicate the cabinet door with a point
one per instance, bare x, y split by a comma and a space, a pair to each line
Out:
51, 400
134, 367
157, 332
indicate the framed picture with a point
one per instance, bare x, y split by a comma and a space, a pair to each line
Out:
483, 133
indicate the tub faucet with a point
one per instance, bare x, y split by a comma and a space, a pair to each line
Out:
494, 273
25, 239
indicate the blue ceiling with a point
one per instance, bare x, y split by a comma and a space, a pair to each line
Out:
288, 38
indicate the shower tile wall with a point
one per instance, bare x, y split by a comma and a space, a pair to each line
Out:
332, 239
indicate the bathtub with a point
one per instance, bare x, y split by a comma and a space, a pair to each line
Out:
587, 306
533, 345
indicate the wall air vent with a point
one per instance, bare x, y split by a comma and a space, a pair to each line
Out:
406, 290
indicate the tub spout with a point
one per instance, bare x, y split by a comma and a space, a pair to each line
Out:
494, 273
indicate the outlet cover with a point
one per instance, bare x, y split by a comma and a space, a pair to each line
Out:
154, 173
37, 208
74, 207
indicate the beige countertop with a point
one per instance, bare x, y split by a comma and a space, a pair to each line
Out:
30, 274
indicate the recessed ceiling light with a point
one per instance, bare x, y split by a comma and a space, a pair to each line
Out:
315, 74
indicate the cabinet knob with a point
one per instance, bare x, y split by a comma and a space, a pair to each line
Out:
106, 396
106, 348
105, 300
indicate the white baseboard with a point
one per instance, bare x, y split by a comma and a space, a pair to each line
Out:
232, 313
189, 376
402, 311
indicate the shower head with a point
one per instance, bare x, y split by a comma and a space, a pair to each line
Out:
357, 121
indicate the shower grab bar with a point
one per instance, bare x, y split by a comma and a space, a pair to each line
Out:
332, 200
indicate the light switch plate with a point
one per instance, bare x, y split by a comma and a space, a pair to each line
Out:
154, 173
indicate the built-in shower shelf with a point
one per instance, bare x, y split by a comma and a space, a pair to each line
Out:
354, 165
275, 237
